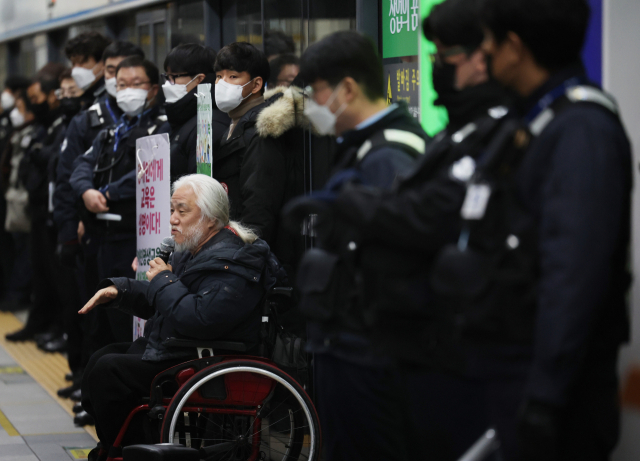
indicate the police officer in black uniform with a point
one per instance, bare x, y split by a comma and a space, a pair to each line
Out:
105, 178
548, 232
358, 403
100, 113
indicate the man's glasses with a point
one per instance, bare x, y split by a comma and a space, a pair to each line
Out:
171, 78
72, 93
124, 86
438, 57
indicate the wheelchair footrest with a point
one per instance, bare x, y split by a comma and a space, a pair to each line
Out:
160, 452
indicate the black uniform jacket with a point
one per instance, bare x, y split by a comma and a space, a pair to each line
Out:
116, 147
213, 295
80, 134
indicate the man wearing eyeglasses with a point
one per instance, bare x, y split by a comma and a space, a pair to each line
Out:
186, 67
105, 178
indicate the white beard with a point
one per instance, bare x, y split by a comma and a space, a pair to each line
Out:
191, 238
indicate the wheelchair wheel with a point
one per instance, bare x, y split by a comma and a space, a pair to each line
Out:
244, 410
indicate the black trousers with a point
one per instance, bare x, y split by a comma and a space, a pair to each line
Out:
46, 312
115, 380
114, 259
394, 413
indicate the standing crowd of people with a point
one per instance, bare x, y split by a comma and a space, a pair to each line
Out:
474, 280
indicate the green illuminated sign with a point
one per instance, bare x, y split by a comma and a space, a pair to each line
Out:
433, 118
400, 28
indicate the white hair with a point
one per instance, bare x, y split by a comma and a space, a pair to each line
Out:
213, 201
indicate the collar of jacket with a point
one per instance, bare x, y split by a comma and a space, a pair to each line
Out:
283, 110
398, 118
183, 110
225, 251
574, 70
93, 92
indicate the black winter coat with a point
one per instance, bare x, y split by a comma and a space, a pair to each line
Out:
80, 134
183, 119
263, 166
213, 295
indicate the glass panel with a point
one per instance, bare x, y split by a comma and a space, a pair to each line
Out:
249, 22
188, 26
27, 58
160, 35
330, 16
144, 39
283, 27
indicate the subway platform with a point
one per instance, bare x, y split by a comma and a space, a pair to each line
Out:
36, 425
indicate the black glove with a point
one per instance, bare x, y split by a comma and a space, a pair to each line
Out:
538, 431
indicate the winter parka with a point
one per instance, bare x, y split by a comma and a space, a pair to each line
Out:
213, 295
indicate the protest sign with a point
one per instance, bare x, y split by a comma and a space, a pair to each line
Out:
153, 202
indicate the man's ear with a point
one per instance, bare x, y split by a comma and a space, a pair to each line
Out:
351, 89
514, 42
258, 84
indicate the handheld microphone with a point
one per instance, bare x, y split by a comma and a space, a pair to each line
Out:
166, 248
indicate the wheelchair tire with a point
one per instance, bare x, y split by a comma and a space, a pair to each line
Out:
201, 415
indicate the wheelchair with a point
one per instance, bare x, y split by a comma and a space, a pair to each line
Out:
227, 406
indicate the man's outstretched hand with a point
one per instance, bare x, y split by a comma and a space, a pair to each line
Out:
156, 266
101, 297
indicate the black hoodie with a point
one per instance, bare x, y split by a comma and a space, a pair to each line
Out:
183, 119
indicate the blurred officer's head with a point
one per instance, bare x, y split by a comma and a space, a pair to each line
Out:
12, 86
284, 70
344, 71
136, 85
458, 62
85, 53
241, 73
113, 55
69, 95
41, 94
529, 38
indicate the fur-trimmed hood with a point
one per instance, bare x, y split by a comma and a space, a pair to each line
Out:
284, 110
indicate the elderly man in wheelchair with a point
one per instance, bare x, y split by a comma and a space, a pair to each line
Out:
213, 296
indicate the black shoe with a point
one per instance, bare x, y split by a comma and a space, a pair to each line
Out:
21, 335
68, 376
43, 338
66, 392
57, 345
76, 395
77, 408
83, 419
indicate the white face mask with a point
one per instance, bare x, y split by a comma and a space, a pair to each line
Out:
174, 93
110, 86
132, 101
83, 77
229, 96
7, 100
321, 116
17, 119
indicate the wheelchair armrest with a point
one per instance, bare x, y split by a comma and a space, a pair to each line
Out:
284, 291
215, 345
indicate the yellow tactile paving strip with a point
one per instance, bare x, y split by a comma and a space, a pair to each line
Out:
46, 369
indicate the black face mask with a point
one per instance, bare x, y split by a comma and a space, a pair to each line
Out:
444, 79
40, 111
70, 106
